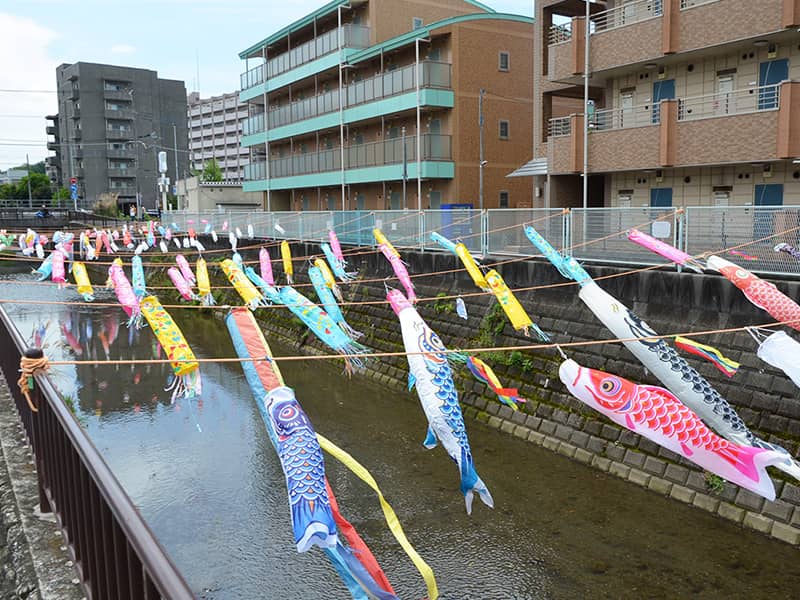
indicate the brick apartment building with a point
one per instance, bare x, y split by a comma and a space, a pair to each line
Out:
696, 102
346, 98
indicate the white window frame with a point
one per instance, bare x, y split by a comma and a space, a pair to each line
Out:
500, 129
500, 55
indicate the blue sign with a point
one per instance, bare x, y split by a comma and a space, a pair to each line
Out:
73, 191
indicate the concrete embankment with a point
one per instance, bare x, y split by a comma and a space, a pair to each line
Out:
669, 301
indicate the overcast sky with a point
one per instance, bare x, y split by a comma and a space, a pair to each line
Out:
163, 35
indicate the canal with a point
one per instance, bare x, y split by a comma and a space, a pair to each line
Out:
207, 480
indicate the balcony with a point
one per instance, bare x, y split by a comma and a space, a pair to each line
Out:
353, 36
125, 114
54, 146
117, 94
736, 127
51, 130
126, 173
119, 134
647, 30
123, 190
385, 85
121, 152
435, 147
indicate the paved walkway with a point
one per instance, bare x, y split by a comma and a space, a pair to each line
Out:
34, 562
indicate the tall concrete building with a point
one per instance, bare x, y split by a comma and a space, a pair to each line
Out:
215, 131
696, 102
112, 122
360, 97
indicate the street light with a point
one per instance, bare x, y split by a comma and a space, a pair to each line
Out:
150, 136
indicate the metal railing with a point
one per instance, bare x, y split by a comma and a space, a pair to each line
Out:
114, 551
559, 127
384, 85
626, 14
353, 36
593, 234
737, 102
356, 156
609, 119
559, 33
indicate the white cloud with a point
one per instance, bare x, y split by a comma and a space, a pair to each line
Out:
26, 66
122, 49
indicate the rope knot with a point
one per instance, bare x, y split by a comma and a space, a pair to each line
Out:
31, 363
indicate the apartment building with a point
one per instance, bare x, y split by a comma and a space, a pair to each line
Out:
52, 164
375, 104
215, 132
112, 121
693, 102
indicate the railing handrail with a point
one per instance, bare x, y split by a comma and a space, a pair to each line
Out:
687, 4
165, 576
768, 94
626, 14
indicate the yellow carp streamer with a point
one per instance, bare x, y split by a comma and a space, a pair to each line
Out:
286, 255
381, 239
203, 283
330, 280
388, 512
249, 293
82, 281
184, 364
513, 309
472, 267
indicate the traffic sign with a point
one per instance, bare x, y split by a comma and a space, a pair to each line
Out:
73, 180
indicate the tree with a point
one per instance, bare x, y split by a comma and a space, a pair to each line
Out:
40, 187
61, 194
35, 168
211, 171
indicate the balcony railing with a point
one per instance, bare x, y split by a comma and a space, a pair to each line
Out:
559, 127
385, 85
737, 102
626, 14
121, 152
119, 113
353, 36
620, 118
560, 33
128, 172
119, 134
372, 154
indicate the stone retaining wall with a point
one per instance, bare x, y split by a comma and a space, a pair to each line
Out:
552, 418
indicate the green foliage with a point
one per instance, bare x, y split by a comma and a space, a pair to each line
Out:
714, 483
442, 306
35, 168
61, 194
106, 205
40, 188
492, 325
212, 171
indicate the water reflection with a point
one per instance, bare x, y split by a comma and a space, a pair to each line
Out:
217, 499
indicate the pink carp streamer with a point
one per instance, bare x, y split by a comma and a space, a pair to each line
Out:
399, 270
336, 247
186, 270
58, 275
183, 286
760, 292
265, 263
655, 413
124, 291
665, 250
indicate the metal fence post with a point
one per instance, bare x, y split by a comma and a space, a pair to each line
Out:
484, 226
421, 230
566, 230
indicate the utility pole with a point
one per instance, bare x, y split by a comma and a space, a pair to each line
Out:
405, 164
30, 198
480, 148
175, 143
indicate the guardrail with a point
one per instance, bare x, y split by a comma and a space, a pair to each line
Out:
115, 552
736, 102
559, 33
593, 234
559, 127
626, 14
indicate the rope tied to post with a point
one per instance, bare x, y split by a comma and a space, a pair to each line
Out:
31, 363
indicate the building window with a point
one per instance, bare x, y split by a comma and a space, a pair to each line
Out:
503, 61
503, 129
416, 23
503, 199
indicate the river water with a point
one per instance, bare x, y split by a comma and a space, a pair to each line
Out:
208, 482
